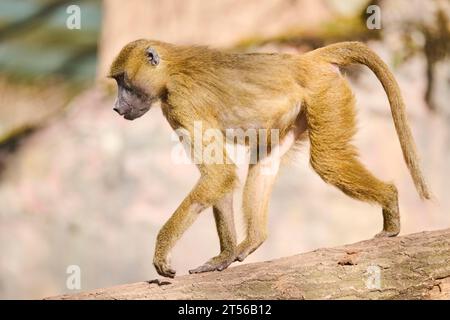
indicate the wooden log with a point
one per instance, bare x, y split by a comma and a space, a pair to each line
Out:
415, 266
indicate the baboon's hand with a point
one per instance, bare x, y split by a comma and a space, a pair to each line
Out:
163, 268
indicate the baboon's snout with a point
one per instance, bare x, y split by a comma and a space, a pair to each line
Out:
121, 108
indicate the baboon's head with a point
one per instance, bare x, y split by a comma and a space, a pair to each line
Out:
139, 71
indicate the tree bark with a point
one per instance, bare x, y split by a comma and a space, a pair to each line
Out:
414, 266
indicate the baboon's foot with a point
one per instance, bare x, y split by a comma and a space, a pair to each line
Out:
387, 234
391, 219
218, 263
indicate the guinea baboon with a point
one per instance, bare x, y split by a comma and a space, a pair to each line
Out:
298, 95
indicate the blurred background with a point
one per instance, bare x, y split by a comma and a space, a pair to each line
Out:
81, 186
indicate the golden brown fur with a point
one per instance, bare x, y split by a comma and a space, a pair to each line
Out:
290, 93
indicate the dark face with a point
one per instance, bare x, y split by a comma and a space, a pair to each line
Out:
134, 98
131, 103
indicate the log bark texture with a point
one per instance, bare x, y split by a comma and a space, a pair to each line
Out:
415, 266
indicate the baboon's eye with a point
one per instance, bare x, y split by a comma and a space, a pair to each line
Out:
152, 56
123, 81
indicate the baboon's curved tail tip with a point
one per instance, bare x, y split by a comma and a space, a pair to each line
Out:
419, 181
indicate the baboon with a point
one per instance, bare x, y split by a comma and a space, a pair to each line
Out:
301, 96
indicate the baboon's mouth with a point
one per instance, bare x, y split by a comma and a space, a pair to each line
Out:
128, 117
133, 114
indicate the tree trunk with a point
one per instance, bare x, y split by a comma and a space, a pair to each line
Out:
415, 266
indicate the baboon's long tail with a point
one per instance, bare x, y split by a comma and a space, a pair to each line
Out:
346, 53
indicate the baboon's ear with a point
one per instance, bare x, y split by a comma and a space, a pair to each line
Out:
152, 56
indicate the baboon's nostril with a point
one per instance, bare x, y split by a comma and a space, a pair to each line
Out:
116, 110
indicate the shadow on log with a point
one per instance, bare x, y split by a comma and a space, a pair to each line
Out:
414, 266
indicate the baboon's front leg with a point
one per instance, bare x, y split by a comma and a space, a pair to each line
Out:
215, 182
257, 191
172, 230
258, 188
223, 215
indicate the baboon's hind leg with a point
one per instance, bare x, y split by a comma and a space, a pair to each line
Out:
331, 122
